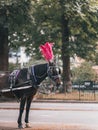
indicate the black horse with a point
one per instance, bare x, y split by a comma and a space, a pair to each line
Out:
30, 78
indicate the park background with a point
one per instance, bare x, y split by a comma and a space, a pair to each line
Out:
71, 25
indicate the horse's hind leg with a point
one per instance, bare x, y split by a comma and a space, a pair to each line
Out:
29, 100
22, 104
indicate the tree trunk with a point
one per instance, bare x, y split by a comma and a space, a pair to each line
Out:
66, 55
4, 49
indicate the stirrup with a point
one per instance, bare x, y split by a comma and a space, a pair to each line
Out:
27, 125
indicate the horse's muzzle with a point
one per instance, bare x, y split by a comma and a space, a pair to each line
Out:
58, 83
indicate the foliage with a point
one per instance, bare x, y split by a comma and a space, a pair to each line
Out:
34, 22
83, 73
17, 16
71, 24
82, 24
13, 66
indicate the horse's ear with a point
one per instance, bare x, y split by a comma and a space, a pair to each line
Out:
51, 63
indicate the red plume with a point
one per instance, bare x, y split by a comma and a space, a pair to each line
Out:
46, 51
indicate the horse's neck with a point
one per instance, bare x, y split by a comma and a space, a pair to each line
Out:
40, 72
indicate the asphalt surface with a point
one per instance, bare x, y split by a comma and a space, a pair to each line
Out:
52, 116
39, 126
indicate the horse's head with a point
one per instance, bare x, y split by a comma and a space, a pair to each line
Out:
54, 74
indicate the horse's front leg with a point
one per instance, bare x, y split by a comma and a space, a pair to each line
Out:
22, 104
29, 100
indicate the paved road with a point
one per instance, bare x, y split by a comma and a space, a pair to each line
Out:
54, 113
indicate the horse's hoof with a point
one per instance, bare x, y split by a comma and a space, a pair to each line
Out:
20, 126
27, 125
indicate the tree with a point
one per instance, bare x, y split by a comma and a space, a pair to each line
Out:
15, 24
3, 39
71, 24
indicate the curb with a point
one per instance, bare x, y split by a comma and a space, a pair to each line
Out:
52, 101
63, 101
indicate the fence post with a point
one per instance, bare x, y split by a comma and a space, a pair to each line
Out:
94, 90
79, 90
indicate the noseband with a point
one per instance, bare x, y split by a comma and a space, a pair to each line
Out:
53, 73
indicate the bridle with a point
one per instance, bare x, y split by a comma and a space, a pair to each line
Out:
53, 72
49, 73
